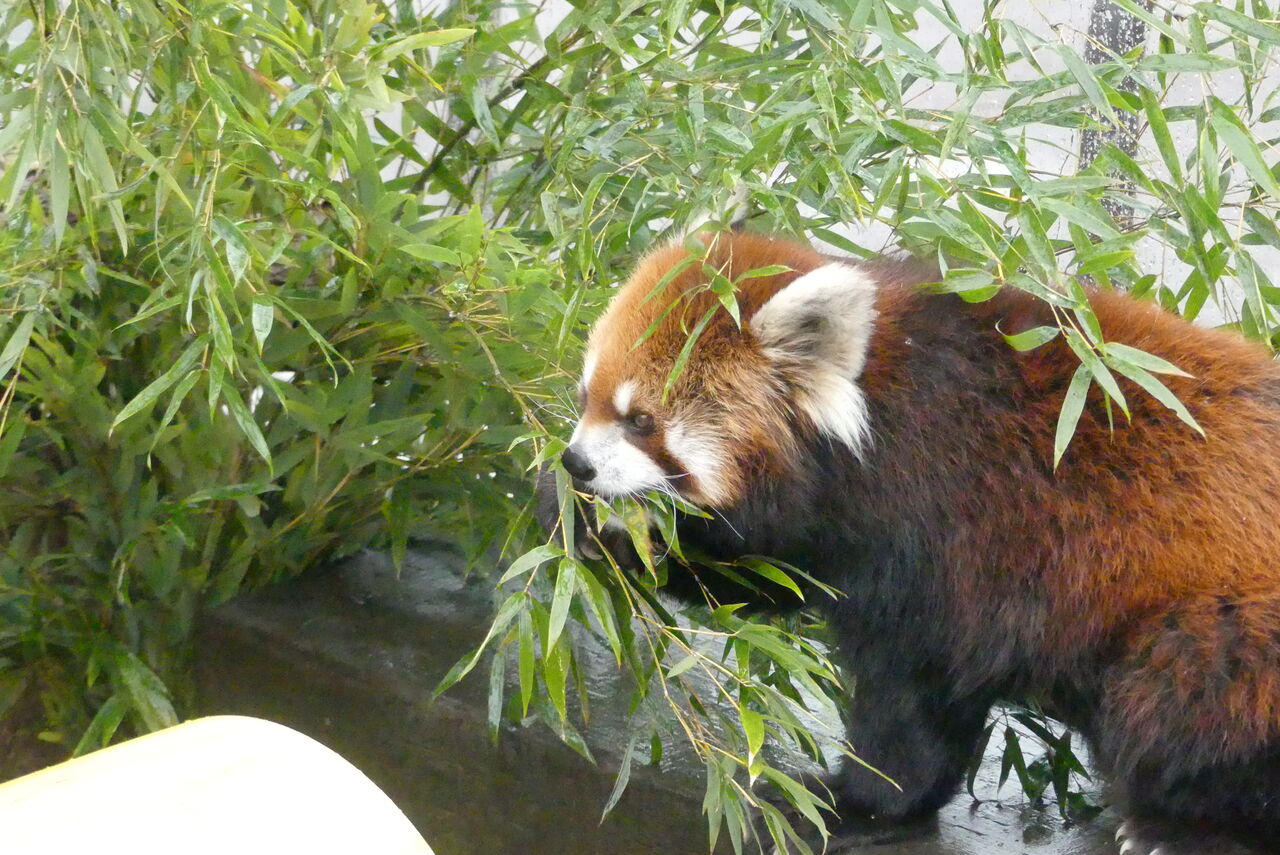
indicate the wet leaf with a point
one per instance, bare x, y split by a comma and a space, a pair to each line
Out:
507, 613
566, 587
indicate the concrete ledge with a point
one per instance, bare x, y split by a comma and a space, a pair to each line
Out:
350, 657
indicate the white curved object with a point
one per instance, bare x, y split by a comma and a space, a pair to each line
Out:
227, 784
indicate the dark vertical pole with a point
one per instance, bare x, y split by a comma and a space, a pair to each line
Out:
1112, 31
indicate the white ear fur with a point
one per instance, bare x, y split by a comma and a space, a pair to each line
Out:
819, 328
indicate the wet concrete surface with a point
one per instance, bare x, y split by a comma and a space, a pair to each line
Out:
351, 656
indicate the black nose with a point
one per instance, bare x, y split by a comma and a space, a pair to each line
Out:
576, 465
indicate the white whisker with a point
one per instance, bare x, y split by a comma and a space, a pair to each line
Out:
725, 520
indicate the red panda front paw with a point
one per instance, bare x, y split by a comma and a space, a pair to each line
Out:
1152, 837
588, 541
1138, 837
547, 512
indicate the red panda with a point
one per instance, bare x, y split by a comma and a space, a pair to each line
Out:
887, 440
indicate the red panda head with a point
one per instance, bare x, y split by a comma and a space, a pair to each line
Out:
745, 396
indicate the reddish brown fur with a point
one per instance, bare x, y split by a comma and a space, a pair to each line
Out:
1145, 568
723, 385
1200, 525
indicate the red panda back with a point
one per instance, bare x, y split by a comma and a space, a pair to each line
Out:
1140, 511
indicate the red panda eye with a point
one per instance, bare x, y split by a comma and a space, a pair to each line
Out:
640, 422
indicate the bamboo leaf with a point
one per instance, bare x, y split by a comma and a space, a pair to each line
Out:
555, 674
528, 665
623, 776
767, 570
1171, 63
1241, 23
415, 41
59, 192
1083, 75
1160, 132
566, 587
1032, 338
1101, 374
1072, 407
507, 613
1160, 392
1097, 223
682, 358
244, 419
753, 727
1142, 359
1243, 148
530, 560
17, 344
98, 166
234, 244
264, 315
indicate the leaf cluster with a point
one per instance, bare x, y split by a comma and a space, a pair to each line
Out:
233, 349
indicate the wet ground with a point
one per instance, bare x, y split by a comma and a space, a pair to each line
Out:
350, 657
1003, 822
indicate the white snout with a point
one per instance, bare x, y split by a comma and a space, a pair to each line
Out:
620, 468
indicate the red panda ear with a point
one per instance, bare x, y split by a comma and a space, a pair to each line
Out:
817, 330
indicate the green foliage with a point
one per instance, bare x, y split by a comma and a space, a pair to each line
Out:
248, 351
282, 279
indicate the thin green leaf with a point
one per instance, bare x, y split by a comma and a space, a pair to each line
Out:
17, 344
683, 665
1160, 392
1069, 416
264, 315
528, 654
1083, 75
1160, 132
153, 390
1142, 359
507, 612
682, 358
753, 727
415, 41
623, 776
245, 420
1250, 26
532, 559
1241, 145
566, 587
1032, 338
59, 191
